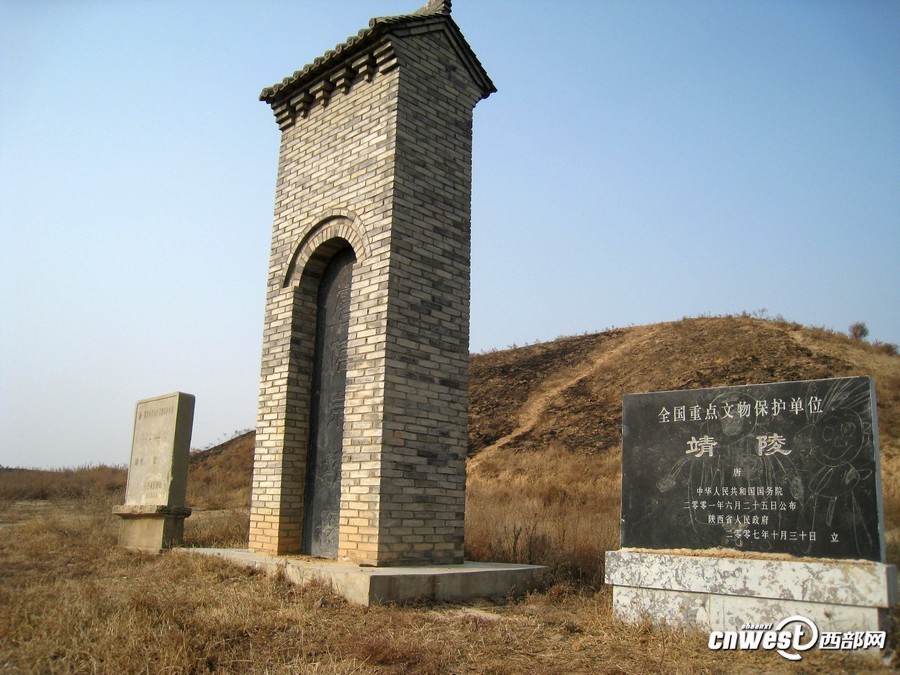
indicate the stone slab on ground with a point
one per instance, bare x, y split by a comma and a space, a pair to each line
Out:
379, 585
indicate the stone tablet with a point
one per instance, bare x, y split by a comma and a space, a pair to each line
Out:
323, 478
160, 450
777, 468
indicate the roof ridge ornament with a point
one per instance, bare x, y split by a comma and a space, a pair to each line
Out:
438, 7
431, 8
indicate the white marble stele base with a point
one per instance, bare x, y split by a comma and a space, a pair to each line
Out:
725, 593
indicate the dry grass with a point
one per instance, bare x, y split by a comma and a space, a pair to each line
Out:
567, 518
543, 487
544, 475
219, 478
890, 488
74, 602
220, 528
17, 484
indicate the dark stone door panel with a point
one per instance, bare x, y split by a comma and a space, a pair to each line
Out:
323, 481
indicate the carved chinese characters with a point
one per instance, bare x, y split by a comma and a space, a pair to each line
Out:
154, 511
782, 468
157, 473
323, 483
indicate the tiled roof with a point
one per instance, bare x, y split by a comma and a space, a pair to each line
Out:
434, 7
436, 11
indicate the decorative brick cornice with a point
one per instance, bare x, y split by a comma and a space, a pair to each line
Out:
360, 58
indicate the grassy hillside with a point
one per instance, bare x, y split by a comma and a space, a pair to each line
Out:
221, 476
545, 440
545, 431
543, 487
567, 394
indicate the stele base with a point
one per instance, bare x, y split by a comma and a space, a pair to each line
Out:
151, 528
725, 593
380, 585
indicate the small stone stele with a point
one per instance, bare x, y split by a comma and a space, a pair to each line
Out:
154, 511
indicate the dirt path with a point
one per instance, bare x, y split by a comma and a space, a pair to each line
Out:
547, 393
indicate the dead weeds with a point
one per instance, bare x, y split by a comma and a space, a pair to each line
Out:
549, 494
75, 602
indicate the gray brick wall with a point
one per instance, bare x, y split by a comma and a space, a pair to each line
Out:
376, 154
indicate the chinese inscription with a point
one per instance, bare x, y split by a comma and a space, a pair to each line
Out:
324, 460
784, 468
157, 472
732, 410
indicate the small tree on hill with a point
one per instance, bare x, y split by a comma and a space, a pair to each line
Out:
858, 330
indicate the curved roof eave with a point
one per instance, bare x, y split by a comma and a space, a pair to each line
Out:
435, 12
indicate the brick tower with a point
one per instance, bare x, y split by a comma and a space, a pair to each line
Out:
362, 426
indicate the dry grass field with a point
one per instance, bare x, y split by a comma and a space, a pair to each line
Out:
543, 487
74, 602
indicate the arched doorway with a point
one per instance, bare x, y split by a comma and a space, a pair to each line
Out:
323, 474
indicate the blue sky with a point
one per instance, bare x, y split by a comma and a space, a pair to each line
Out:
641, 162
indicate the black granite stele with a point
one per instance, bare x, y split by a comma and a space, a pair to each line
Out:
791, 467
